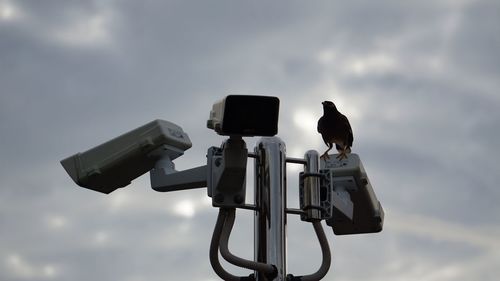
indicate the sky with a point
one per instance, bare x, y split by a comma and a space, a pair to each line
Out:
418, 80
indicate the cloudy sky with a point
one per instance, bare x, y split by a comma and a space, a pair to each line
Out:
419, 80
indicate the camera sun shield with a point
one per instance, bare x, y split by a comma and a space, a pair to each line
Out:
243, 115
116, 163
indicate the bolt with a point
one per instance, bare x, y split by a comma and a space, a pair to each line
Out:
218, 162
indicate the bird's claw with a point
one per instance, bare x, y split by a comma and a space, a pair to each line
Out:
325, 156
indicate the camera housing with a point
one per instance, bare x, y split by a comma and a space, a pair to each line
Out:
244, 115
115, 163
348, 178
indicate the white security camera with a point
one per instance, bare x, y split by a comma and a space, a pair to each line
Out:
116, 163
237, 115
348, 178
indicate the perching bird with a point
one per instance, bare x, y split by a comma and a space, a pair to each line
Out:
334, 127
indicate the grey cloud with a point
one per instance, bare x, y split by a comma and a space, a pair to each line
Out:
475, 39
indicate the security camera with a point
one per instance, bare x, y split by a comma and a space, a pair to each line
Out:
245, 116
348, 178
116, 163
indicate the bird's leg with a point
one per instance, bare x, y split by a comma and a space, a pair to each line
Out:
325, 155
343, 150
341, 155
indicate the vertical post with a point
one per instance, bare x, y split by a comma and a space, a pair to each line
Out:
311, 185
270, 199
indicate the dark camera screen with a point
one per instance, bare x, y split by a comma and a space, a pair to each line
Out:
251, 115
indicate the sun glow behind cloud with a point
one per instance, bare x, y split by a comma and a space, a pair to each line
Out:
8, 12
56, 221
19, 267
87, 31
372, 63
185, 208
188, 207
305, 120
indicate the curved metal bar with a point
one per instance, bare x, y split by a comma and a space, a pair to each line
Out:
214, 247
266, 269
325, 250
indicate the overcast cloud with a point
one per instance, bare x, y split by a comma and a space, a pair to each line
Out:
419, 80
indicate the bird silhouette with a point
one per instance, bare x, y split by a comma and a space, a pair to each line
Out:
334, 127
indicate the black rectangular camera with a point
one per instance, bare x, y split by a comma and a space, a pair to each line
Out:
243, 115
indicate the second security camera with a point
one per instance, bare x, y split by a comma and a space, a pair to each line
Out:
349, 179
116, 163
247, 116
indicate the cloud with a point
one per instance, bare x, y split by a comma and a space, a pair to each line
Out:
417, 80
88, 31
485, 237
9, 12
18, 268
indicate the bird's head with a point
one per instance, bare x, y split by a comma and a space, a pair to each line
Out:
328, 106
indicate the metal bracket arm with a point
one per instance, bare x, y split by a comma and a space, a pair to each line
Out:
188, 179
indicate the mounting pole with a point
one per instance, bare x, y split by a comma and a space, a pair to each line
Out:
270, 199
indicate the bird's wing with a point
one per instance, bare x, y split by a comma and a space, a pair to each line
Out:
322, 129
350, 136
320, 124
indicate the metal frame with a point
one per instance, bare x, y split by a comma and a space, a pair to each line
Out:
323, 196
225, 168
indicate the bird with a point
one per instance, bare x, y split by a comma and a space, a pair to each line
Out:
334, 127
